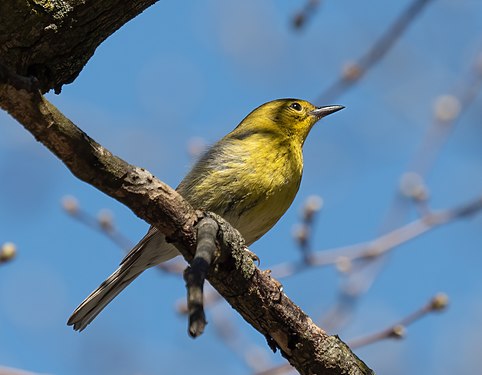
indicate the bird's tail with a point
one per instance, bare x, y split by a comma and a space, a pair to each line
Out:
101, 297
150, 251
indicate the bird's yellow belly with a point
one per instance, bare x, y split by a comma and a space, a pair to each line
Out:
264, 211
253, 187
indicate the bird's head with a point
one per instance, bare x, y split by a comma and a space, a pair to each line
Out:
291, 117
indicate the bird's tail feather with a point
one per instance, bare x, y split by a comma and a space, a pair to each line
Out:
102, 296
150, 251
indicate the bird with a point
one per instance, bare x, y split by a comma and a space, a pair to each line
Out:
250, 178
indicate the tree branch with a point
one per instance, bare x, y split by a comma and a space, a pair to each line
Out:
344, 256
57, 38
54, 43
254, 294
436, 304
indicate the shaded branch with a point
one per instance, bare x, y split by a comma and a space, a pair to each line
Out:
57, 38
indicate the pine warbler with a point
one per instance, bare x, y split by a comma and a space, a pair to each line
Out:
250, 178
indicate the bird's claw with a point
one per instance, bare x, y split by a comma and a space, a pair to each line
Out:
253, 256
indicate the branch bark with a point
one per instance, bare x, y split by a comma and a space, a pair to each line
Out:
253, 293
53, 40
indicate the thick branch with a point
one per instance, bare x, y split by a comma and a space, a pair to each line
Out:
254, 294
53, 40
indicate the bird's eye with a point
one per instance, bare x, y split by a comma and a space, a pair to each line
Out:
296, 106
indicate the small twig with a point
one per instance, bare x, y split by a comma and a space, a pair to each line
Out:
195, 274
448, 110
438, 303
354, 71
303, 15
413, 187
253, 356
102, 224
8, 251
344, 256
303, 233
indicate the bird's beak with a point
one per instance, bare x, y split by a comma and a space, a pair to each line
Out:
325, 111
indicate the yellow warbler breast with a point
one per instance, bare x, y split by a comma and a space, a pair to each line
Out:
250, 179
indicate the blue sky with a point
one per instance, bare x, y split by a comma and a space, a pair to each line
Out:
183, 71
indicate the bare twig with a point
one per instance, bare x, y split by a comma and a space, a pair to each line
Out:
344, 256
195, 274
447, 112
102, 224
303, 232
303, 15
354, 71
253, 356
436, 304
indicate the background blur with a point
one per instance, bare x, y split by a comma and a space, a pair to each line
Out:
190, 71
